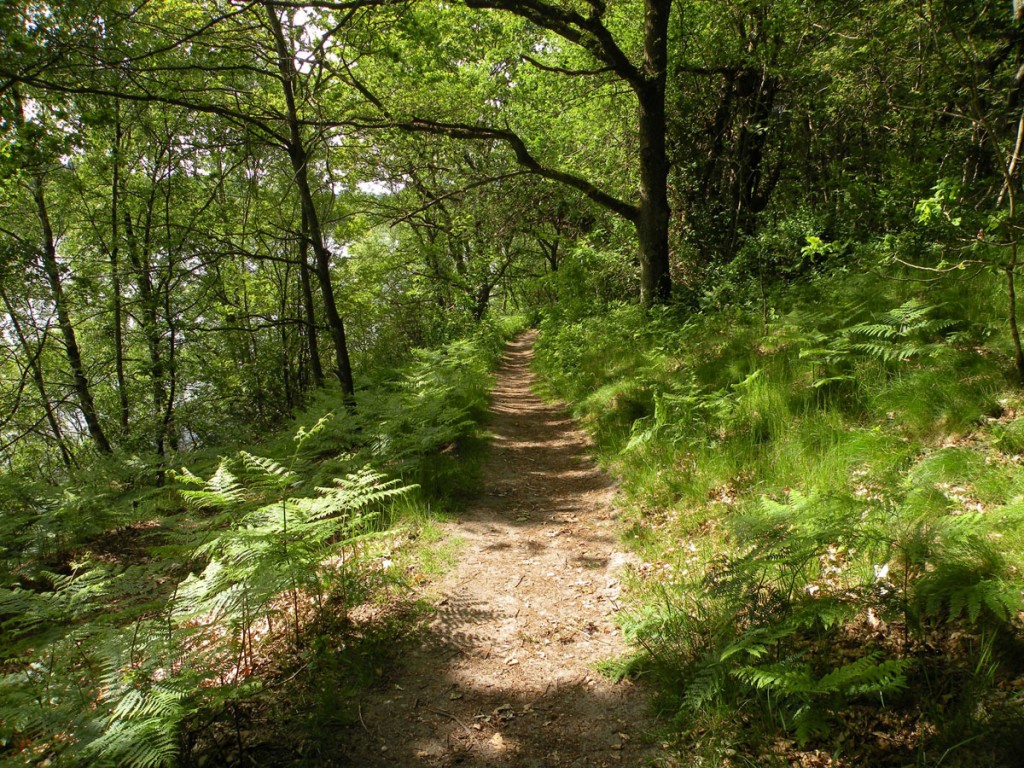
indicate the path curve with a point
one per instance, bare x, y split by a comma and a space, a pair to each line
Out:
505, 673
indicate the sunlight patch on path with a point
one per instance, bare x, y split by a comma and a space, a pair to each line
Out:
505, 673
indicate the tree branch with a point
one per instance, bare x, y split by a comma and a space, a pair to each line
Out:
588, 32
438, 199
338, 5
146, 98
523, 156
564, 71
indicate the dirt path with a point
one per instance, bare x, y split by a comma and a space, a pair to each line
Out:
505, 674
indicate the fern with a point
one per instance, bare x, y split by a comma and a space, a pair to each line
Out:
681, 417
808, 700
280, 547
128, 690
113, 665
908, 332
221, 491
266, 473
144, 726
962, 572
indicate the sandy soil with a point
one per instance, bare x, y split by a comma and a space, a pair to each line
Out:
505, 673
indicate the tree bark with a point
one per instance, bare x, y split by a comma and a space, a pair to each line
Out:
653, 221
299, 159
307, 304
117, 320
48, 253
139, 255
32, 358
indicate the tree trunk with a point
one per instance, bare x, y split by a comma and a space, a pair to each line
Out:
652, 224
67, 328
1018, 352
117, 320
169, 431
32, 358
299, 160
549, 248
139, 256
48, 254
307, 303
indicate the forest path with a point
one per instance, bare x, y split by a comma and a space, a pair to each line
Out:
504, 674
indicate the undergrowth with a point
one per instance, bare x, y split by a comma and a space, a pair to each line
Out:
150, 625
827, 496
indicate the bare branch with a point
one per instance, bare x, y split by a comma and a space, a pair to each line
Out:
147, 98
588, 32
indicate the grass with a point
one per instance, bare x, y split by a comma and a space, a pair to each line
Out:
831, 506
437, 551
181, 615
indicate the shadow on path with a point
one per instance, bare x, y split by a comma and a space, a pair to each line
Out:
504, 674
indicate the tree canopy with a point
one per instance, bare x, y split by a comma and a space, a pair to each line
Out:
772, 247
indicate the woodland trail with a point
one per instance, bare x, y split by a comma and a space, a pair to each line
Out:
504, 674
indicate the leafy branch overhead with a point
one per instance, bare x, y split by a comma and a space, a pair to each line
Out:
259, 261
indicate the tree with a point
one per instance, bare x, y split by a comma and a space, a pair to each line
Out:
312, 230
602, 53
29, 139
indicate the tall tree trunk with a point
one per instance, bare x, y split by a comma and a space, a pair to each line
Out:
32, 358
48, 253
139, 255
652, 223
252, 349
307, 304
299, 159
283, 310
115, 273
169, 430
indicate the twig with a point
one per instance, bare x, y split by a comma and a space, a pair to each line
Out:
359, 709
941, 270
443, 713
296, 673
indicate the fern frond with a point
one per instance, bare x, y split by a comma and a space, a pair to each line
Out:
273, 472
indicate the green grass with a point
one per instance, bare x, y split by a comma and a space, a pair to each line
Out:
436, 550
837, 494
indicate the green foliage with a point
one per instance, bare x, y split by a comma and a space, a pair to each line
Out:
830, 490
146, 680
905, 333
282, 546
438, 400
1010, 437
432, 411
958, 568
125, 661
796, 686
843, 238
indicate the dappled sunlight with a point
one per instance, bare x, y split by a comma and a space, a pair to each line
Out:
552, 723
505, 671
